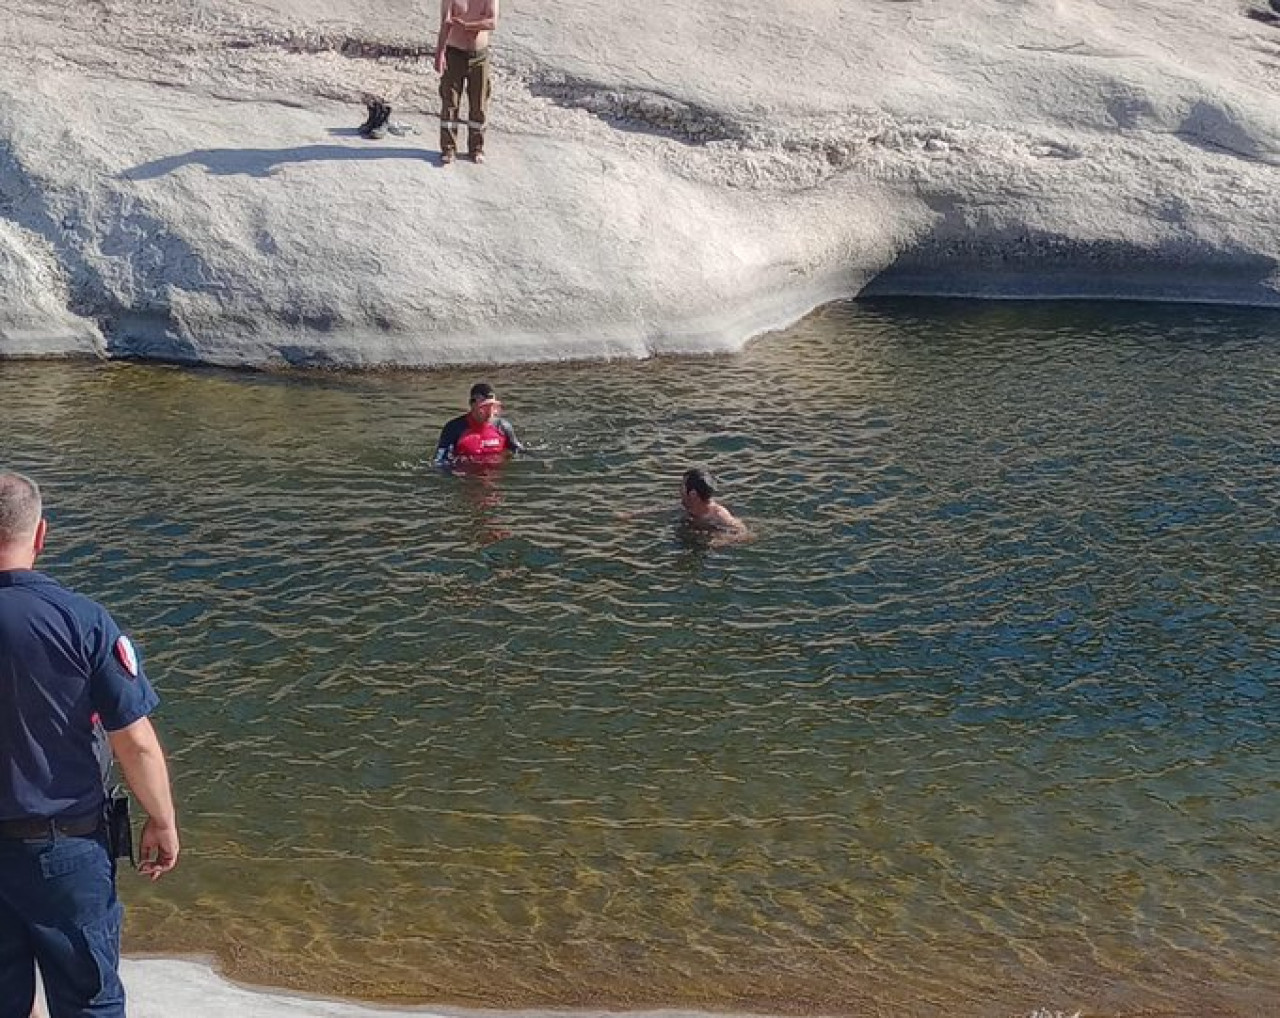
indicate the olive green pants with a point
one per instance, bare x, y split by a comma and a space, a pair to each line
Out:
469, 72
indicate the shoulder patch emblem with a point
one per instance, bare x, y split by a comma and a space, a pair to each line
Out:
127, 656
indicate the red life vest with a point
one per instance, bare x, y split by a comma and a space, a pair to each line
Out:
480, 443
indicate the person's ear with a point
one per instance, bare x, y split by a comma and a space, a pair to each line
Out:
42, 528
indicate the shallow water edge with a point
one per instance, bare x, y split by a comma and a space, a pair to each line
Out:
160, 987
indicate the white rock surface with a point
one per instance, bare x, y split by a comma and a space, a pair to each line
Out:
181, 179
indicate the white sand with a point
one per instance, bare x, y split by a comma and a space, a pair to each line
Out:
173, 988
170, 988
180, 179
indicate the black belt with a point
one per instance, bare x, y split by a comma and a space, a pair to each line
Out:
49, 827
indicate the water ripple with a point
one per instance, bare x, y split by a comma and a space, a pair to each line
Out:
986, 718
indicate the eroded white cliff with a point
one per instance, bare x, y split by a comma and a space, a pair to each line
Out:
183, 180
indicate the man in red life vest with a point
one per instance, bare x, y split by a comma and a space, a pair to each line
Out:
479, 435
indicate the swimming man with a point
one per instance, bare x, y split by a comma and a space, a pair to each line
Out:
702, 511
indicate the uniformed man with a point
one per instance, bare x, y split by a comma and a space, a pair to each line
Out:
66, 672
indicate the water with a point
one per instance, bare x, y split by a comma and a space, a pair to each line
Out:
985, 720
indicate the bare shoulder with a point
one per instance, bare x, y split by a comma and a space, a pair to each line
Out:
726, 519
732, 530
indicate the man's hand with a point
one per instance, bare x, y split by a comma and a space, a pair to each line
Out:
159, 849
137, 751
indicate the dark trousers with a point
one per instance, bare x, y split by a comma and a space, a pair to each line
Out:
58, 910
467, 72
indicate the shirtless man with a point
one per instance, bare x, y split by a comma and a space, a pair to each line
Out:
703, 512
462, 58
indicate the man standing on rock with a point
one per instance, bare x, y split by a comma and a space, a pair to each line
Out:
462, 59
66, 672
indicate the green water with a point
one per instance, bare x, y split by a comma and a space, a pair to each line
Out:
986, 718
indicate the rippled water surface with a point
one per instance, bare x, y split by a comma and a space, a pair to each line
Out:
986, 719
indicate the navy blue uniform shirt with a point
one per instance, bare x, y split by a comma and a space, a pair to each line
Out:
64, 665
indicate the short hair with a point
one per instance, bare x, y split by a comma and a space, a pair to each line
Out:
481, 390
20, 507
701, 483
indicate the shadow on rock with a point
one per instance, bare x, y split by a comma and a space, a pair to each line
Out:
964, 257
263, 162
